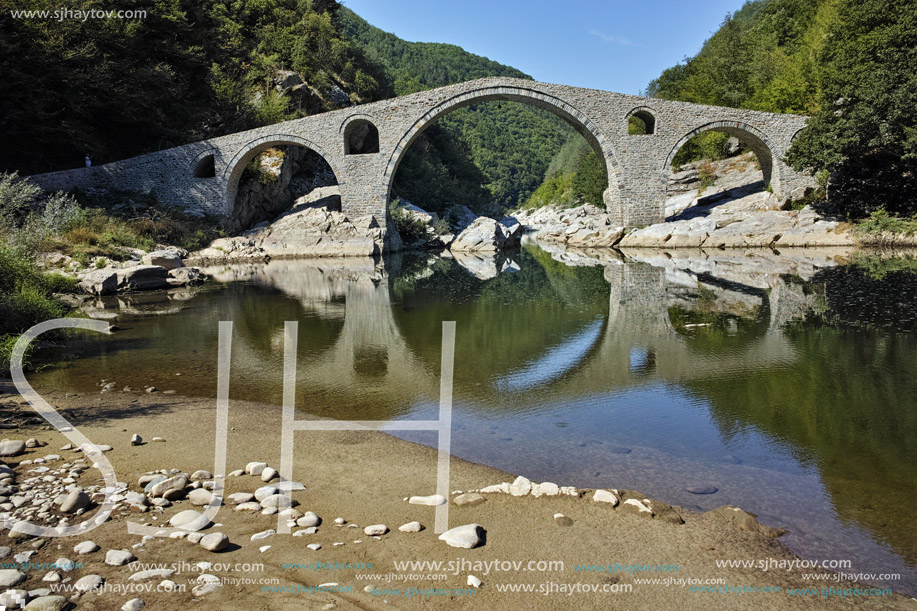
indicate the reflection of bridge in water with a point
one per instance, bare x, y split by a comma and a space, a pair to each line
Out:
637, 342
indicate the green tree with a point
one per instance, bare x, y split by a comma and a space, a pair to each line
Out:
866, 132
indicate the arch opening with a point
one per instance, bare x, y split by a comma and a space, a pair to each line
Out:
718, 163
269, 177
641, 122
205, 167
605, 159
361, 137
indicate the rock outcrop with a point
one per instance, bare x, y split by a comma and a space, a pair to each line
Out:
487, 235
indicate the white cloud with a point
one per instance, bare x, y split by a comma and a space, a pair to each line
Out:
617, 40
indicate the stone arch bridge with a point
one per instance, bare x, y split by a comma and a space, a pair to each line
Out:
365, 144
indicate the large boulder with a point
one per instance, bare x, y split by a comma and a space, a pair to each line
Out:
486, 234
100, 282
143, 278
168, 259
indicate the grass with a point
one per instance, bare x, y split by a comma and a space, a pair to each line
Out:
92, 228
880, 222
26, 297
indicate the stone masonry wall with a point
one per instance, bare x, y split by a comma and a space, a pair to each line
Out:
637, 165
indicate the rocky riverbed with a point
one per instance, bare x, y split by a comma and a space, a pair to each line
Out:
361, 501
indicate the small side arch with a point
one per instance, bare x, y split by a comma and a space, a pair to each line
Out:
749, 135
205, 164
646, 116
361, 136
236, 166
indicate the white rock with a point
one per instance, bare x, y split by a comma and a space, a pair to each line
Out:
214, 542
238, 498
268, 474
200, 497
255, 468
309, 519
265, 491
11, 577
521, 486
118, 557
134, 604
151, 574
315, 546
474, 582
264, 548
86, 547
432, 500
604, 496
263, 534
184, 518
88, 583
376, 530
468, 536
411, 527
201, 474
545, 489
136, 440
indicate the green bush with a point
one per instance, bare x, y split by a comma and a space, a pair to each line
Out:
410, 228
25, 297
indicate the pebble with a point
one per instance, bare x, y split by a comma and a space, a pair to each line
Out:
278, 501
51, 577
159, 439
268, 474
468, 536
562, 520
340, 521
263, 534
265, 491
264, 548
88, 583
11, 577
76, 500
255, 468
183, 518
134, 604
12, 447
195, 537
238, 498
469, 499
14, 599
474, 582
151, 574
376, 530
432, 500
411, 527
249, 506
136, 440
315, 546
200, 497
201, 474
48, 603
521, 486
604, 496
215, 542
118, 557
86, 547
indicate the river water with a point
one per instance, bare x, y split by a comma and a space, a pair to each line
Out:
783, 381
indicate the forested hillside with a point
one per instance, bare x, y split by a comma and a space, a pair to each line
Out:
115, 88
848, 63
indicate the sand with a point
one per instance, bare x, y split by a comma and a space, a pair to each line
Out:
364, 477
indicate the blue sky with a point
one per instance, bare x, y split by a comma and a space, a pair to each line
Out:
611, 45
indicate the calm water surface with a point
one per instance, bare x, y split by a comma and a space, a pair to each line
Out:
786, 381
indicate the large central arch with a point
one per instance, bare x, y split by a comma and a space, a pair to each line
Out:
580, 122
